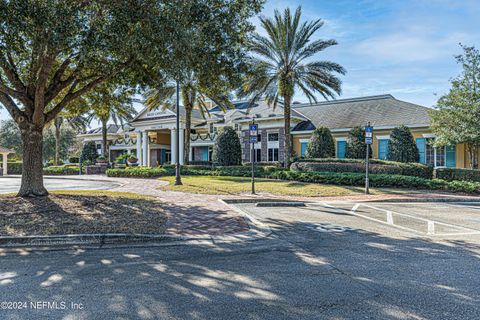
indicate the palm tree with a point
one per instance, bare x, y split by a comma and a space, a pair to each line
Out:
280, 64
109, 102
78, 122
194, 96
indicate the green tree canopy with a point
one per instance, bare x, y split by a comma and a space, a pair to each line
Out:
10, 137
402, 146
53, 52
283, 62
321, 144
227, 150
357, 148
456, 118
89, 152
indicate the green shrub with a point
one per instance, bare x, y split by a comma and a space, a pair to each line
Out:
321, 144
402, 146
227, 150
354, 165
74, 160
15, 167
60, 171
89, 152
356, 147
451, 174
140, 172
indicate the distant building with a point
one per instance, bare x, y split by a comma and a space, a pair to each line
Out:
151, 134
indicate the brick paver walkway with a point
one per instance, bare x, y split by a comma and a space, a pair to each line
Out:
188, 214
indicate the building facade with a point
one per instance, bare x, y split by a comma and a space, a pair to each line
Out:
151, 135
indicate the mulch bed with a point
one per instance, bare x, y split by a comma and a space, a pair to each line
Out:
74, 214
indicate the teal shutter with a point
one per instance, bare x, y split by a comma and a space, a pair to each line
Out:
382, 149
303, 148
341, 149
205, 154
421, 143
451, 157
163, 156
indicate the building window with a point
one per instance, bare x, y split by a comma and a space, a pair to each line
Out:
382, 149
259, 138
211, 128
258, 155
272, 137
273, 154
444, 156
99, 146
237, 127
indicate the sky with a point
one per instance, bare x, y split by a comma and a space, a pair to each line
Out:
402, 47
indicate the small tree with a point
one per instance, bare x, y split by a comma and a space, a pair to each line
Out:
227, 150
357, 148
89, 152
402, 146
321, 144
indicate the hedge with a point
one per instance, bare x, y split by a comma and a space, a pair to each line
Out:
355, 165
15, 167
451, 174
346, 178
60, 171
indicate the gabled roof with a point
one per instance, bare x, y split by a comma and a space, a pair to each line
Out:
380, 111
165, 114
244, 111
111, 128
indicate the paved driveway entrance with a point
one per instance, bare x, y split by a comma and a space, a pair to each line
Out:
12, 184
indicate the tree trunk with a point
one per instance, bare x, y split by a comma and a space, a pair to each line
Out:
58, 125
188, 129
32, 169
104, 140
288, 137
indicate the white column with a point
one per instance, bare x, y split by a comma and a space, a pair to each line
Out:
139, 148
145, 148
173, 146
182, 146
190, 154
5, 163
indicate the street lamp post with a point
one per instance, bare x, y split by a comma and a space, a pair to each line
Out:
253, 137
178, 178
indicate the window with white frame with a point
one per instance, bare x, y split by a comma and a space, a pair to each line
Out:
434, 156
272, 154
272, 137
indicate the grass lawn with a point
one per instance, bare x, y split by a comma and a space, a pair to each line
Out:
73, 212
239, 185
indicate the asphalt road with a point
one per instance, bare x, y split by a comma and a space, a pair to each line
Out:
12, 184
320, 263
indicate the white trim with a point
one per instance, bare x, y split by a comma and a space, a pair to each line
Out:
341, 139
429, 135
304, 140
385, 137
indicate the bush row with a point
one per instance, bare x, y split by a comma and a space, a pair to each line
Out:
337, 178
354, 165
451, 174
60, 171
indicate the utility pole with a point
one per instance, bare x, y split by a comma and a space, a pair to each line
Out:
178, 178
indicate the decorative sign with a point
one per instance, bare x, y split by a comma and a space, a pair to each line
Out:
253, 129
368, 134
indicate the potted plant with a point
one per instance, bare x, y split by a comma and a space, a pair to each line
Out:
132, 160
101, 160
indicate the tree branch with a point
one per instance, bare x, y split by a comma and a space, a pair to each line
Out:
72, 95
12, 108
10, 71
